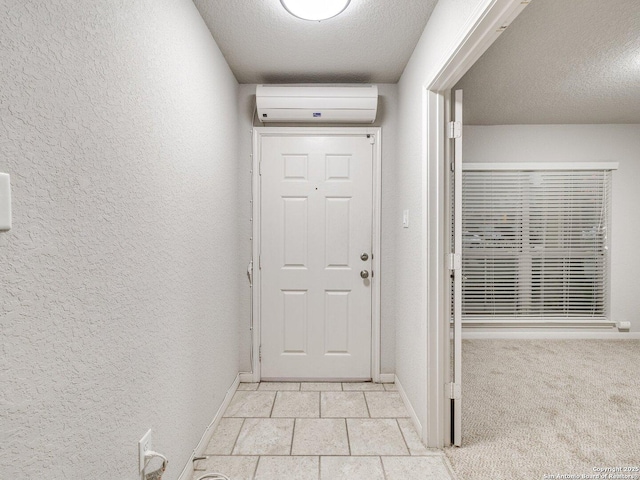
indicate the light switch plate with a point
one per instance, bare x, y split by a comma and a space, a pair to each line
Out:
405, 219
5, 202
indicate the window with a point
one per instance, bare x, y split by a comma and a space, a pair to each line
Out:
535, 243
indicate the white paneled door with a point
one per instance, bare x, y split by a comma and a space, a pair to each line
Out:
315, 258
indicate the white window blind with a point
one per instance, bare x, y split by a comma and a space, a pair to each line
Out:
535, 244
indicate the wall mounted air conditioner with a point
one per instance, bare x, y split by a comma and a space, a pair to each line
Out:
319, 104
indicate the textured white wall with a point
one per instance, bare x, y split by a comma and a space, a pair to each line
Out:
581, 143
448, 21
387, 119
121, 278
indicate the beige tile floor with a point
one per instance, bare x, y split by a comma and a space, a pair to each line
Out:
319, 431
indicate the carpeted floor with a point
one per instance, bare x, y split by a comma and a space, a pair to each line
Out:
541, 407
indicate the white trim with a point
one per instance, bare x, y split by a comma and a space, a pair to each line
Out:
485, 26
535, 166
188, 471
387, 378
434, 267
456, 435
246, 377
255, 255
317, 379
258, 133
412, 413
534, 322
550, 335
376, 295
447, 363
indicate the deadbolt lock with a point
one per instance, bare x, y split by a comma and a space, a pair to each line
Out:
364, 274
364, 257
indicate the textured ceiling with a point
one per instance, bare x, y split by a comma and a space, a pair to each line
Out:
371, 41
560, 62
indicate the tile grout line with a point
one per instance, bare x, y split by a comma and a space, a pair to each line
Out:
238, 436
341, 416
431, 455
255, 470
406, 444
367, 404
293, 432
346, 427
384, 472
273, 405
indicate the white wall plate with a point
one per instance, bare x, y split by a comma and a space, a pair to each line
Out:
5, 202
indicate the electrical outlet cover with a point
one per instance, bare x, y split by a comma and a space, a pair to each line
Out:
144, 445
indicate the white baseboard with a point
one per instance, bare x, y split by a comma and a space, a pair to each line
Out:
387, 377
382, 378
188, 471
409, 407
550, 335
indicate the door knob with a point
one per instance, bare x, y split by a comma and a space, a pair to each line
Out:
364, 274
364, 257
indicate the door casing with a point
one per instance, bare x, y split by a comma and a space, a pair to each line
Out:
492, 18
258, 134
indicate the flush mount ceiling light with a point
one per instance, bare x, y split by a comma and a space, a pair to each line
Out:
315, 9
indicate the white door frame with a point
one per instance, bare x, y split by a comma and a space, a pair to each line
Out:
492, 20
258, 134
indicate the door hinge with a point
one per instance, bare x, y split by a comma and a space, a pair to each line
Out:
260, 353
260, 167
455, 391
259, 262
455, 261
372, 138
455, 129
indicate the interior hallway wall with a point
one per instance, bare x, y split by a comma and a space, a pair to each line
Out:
449, 22
121, 277
387, 119
581, 143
